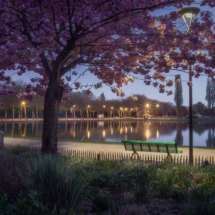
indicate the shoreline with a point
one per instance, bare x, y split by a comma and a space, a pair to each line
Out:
109, 119
103, 148
90, 142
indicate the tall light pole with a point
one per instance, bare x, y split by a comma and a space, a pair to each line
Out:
147, 105
23, 103
88, 106
190, 13
112, 111
74, 110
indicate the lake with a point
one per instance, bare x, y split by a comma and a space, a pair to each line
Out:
114, 131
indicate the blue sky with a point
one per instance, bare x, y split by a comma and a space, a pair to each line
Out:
138, 87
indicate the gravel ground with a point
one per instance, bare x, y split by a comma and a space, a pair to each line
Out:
101, 147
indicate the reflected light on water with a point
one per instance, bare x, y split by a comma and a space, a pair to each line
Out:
126, 130
103, 133
88, 134
157, 134
111, 131
131, 129
120, 131
73, 134
147, 134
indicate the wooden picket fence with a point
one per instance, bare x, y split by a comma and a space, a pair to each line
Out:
119, 157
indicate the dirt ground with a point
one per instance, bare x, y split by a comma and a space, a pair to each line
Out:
102, 147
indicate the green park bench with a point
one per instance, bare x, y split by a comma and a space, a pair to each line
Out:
150, 146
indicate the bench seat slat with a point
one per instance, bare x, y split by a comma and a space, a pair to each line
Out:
147, 142
154, 150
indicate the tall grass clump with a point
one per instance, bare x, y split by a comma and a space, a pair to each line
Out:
59, 183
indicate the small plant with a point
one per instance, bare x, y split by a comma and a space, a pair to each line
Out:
19, 150
100, 202
177, 195
200, 208
24, 205
141, 193
59, 183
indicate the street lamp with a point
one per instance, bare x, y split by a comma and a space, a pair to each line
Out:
157, 105
74, 110
189, 13
88, 106
23, 103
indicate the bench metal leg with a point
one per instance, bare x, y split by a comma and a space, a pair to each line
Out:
138, 157
170, 156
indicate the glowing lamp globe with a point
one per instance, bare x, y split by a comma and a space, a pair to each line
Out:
189, 12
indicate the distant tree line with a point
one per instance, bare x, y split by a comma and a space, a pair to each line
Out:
82, 105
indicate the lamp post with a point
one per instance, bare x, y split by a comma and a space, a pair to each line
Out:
157, 106
112, 111
87, 111
74, 110
189, 13
103, 111
147, 106
23, 103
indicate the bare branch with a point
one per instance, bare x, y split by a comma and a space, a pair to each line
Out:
45, 64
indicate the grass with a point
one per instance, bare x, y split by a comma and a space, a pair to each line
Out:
83, 186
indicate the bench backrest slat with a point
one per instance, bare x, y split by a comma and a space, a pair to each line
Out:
149, 147
143, 145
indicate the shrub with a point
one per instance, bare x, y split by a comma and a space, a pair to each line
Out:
141, 193
165, 183
201, 208
59, 183
100, 202
10, 181
19, 150
24, 205
201, 194
177, 195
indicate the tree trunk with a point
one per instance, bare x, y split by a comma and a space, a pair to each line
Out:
74, 114
37, 111
5, 114
66, 114
52, 101
25, 111
13, 112
32, 114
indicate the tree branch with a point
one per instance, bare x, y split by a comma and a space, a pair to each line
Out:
45, 64
65, 69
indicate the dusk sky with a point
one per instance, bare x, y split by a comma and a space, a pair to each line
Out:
138, 87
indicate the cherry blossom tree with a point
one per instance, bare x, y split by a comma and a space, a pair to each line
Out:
115, 39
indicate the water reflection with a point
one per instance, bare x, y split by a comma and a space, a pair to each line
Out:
210, 142
179, 136
115, 130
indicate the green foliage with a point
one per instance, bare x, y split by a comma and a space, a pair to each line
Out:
209, 93
165, 183
201, 194
142, 182
199, 107
19, 150
178, 97
200, 208
178, 195
59, 183
24, 205
100, 202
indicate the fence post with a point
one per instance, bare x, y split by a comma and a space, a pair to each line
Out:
125, 137
12, 133
1, 139
98, 157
